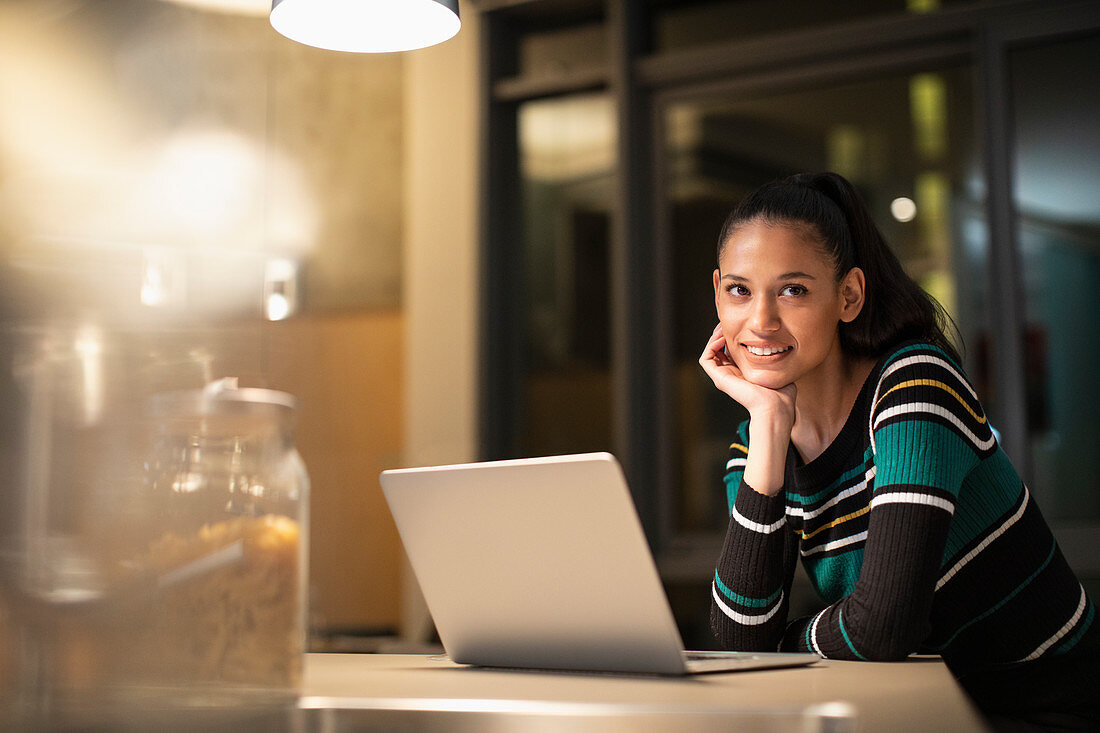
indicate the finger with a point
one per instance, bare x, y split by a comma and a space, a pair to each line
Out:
716, 336
712, 344
714, 352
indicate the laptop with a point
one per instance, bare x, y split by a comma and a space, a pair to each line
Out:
541, 563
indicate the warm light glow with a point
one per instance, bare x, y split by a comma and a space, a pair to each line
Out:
370, 26
187, 483
903, 209
847, 148
922, 6
280, 289
257, 8
216, 189
281, 270
567, 138
152, 282
278, 307
928, 108
206, 179
89, 349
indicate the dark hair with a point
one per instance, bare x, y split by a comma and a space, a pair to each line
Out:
895, 308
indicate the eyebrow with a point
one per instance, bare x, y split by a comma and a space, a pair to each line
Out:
796, 275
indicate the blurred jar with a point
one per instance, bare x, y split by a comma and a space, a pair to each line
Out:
75, 511
152, 544
227, 565
71, 512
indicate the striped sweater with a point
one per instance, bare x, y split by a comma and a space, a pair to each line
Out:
916, 530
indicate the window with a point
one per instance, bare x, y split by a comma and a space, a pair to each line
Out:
905, 140
1055, 92
713, 98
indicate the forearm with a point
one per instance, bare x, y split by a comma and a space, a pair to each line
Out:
887, 615
769, 439
749, 591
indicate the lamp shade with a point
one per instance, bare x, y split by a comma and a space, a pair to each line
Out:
371, 26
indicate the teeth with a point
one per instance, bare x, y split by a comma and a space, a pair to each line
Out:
767, 352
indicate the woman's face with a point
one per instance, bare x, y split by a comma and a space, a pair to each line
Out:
780, 304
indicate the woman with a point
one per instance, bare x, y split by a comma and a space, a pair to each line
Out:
867, 453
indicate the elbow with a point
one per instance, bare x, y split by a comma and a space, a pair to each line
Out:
888, 653
888, 644
884, 634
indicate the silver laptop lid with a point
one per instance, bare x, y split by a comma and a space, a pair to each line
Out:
537, 562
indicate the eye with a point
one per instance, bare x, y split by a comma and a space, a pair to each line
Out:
794, 289
737, 290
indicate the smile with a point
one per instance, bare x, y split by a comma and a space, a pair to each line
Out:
768, 351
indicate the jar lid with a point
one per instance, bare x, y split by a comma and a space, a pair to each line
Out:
220, 397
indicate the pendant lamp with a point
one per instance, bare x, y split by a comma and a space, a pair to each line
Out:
366, 26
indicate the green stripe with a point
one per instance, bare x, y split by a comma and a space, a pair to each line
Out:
924, 453
835, 576
732, 478
810, 627
846, 477
733, 482
1006, 599
992, 490
935, 351
840, 622
744, 600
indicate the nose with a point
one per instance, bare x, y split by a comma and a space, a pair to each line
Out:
764, 315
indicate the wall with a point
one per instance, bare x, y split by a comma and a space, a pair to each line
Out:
345, 370
440, 264
441, 250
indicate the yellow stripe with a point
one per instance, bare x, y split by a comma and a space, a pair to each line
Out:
933, 383
740, 447
837, 521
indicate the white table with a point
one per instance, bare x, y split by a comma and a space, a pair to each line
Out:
363, 692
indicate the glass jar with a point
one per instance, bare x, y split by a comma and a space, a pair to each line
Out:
153, 543
224, 573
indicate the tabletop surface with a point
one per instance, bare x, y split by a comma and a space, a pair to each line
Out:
916, 695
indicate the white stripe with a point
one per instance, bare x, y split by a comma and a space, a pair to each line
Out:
835, 544
933, 409
927, 359
910, 497
756, 526
1061, 632
813, 631
921, 359
985, 543
740, 617
736, 462
795, 511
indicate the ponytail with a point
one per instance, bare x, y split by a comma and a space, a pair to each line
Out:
895, 307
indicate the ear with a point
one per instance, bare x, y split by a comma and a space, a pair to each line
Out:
852, 289
717, 287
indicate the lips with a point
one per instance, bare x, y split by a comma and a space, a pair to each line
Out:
767, 350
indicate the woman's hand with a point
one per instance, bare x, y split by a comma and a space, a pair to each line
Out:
771, 415
716, 362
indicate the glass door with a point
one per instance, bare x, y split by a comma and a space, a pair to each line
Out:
566, 151
1055, 111
905, 140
